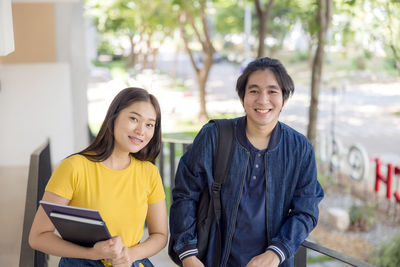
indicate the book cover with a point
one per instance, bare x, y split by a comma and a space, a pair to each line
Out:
78, 225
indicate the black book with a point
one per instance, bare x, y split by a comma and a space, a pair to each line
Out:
81, 226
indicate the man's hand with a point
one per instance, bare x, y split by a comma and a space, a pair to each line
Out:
192, 261
267, 259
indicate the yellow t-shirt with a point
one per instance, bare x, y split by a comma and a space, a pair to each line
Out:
121, 196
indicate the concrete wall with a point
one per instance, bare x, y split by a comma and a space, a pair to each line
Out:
35, 103
43, 83
71, 48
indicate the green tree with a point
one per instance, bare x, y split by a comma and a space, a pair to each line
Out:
144, 23
387, 14
195, 26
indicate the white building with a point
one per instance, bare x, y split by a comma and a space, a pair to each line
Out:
43, 86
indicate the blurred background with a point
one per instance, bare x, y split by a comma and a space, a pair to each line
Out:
63, 61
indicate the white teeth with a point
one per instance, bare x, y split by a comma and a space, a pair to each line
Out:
262, 110
135, 139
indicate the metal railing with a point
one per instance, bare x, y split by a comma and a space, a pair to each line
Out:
172, 150
39, 173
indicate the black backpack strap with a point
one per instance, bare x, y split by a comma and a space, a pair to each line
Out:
222, 158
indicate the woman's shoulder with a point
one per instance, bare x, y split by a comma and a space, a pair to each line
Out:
143, 163
77, 161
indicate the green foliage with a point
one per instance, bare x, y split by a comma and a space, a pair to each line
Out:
105, 48
362, 217
229, 18
188, 135
118, 68
318, 259
388, 254
390, 64
323, 180
224, 115
298, 57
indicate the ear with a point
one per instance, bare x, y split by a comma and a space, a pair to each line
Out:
284, 102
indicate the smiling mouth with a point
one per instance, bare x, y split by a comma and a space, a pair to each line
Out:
263, 110
135, 140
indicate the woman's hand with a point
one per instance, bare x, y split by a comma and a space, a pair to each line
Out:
123, 259
108, 249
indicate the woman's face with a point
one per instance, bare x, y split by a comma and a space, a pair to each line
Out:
134, 127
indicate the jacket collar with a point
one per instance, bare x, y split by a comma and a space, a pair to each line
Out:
243, 140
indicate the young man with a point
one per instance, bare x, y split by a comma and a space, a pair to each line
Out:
271, 193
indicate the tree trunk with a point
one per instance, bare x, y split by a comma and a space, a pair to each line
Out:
396, 57
262, 16
323, 18
310, 52
202, 77
148, 50
261, 37
131, 58
154, 59
391, 39
208, 50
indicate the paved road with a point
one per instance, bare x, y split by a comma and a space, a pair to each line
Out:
361, 114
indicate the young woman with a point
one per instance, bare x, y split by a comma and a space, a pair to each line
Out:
116, 176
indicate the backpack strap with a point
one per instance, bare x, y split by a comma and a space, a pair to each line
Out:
222, 158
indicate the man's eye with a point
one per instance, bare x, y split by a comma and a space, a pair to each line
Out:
253, 91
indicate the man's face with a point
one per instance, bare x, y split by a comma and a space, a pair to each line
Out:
263, 100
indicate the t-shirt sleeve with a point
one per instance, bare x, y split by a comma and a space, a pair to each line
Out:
62, 180
157, 193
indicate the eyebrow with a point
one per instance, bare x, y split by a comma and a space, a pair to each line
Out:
140, 115
256, 86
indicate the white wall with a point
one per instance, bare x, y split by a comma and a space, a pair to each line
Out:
6, 28
35, 103
70, 45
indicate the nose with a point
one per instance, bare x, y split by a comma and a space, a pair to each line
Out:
263, 97
139, 129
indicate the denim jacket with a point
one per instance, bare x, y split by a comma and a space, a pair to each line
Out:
292, 193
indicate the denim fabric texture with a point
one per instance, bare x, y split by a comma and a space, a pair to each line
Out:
292, 192
74, 262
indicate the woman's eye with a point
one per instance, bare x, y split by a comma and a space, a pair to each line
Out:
150, 125
134, 119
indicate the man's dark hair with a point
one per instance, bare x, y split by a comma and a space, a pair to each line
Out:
282, 77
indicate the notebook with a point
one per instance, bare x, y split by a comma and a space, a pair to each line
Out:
81, 226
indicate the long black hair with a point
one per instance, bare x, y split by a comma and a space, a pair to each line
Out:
103, 145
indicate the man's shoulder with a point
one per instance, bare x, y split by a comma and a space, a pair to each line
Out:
293, 135
210, 127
